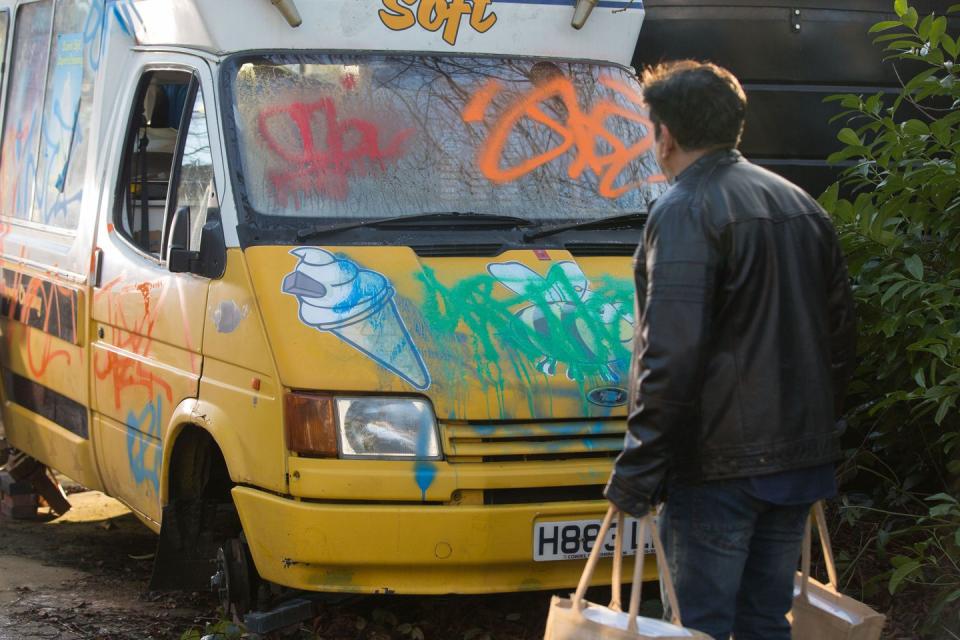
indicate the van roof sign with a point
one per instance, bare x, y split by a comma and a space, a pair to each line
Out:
538, 28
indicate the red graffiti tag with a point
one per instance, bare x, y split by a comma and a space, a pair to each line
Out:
134, 337
349, 147
583, 132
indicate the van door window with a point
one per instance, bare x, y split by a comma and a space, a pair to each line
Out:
195, 189
48, 113
152, 140
21, 126
4, 27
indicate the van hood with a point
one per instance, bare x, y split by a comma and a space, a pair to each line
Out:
526, 335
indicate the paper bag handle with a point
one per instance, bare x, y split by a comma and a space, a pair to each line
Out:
817, 514
617, 565
663, 568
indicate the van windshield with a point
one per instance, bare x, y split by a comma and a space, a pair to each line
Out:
347, 137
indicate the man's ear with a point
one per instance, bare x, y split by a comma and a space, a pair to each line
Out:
665, 139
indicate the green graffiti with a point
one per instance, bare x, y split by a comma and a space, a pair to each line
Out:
517, 322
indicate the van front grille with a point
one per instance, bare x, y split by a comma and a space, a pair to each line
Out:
536, 441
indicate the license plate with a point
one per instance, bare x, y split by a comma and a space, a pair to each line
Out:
574, 539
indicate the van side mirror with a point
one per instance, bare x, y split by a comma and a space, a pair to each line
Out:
179, 257
213, 246
211, 260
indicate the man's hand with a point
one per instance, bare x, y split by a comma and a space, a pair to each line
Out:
625, 500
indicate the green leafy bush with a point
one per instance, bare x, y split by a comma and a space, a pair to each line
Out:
897, 208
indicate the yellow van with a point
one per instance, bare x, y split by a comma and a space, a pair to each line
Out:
339, 292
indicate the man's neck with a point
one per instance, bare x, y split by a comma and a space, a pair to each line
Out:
686, 157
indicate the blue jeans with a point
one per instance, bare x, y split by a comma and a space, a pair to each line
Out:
733, 559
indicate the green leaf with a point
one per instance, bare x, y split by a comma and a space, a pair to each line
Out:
924, 29
910, 18
829, 197
884, 26
900, 6
942, 410
942, 497
849, 136
901, 573
892, 291
953, 8
914, 266
937, 28
903, 45
919, 378
915, 127
950, 45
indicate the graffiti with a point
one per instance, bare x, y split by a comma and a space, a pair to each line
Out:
584, 135
59, 127
357, 305
555, 313
40, 304
142, 429
95, 26
434, 15
130, 337
44, 144
349, 147
559, 319
228, 315
127, 16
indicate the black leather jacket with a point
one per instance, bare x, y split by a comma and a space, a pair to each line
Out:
746, 337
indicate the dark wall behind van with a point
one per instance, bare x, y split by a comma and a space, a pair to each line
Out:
789, 56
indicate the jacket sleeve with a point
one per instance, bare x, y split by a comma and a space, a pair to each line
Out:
667, 368
843, 326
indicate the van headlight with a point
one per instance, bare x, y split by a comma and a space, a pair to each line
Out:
371, 427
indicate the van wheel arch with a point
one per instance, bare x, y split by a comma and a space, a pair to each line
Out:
199, 513
197, 468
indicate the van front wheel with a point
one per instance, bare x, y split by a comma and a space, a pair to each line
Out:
236, 580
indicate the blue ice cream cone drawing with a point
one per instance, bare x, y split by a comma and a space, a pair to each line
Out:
357, 305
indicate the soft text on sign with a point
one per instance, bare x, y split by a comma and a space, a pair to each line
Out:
433, 15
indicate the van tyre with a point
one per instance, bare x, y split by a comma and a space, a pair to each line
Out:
235, 581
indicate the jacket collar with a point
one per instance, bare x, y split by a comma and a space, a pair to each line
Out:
707, 161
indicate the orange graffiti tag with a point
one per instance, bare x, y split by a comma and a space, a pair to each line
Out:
33, 297
135, 337
583, 132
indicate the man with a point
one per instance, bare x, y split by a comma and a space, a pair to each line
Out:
744, 342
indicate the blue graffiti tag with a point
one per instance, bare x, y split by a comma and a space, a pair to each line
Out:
357, 305
95, 26
142, 431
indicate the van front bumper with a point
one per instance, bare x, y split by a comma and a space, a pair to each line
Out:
413, 549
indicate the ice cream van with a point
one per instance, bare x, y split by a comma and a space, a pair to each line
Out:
334, 295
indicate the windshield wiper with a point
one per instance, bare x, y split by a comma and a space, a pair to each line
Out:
458, 218
610, 222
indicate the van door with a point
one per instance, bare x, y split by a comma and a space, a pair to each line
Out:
148, 321
45, 239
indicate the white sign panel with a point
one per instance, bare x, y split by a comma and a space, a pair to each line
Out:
502, 27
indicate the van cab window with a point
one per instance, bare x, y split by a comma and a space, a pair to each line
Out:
364, 136
167, 163
195, 187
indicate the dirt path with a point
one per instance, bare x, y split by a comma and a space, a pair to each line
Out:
84, 576
78, 577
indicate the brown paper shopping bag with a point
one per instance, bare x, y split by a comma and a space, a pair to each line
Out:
575, 618
820, 611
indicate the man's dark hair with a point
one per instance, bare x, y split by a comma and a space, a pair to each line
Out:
702, 104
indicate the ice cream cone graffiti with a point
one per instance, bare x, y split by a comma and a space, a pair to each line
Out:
557, 314
357, 305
